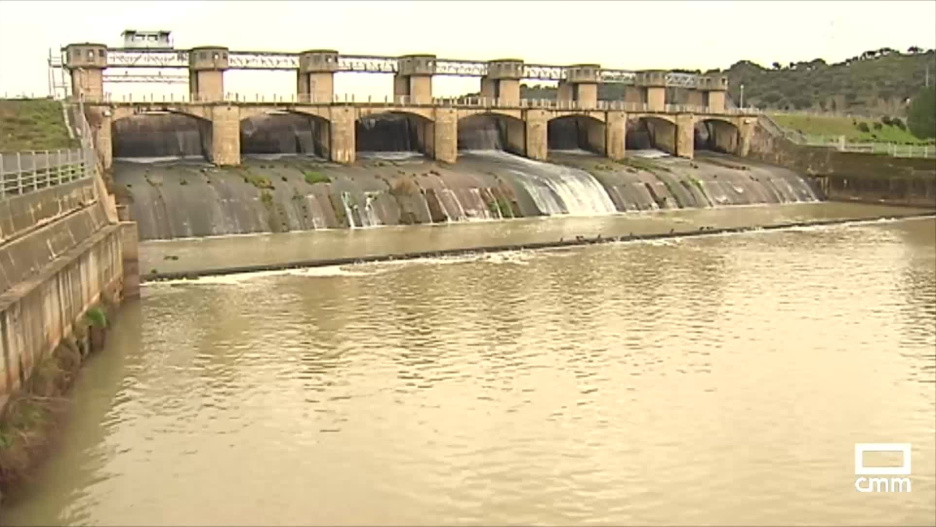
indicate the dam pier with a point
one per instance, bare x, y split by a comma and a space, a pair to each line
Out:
668, 106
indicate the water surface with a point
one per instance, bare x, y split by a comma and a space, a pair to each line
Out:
720, 380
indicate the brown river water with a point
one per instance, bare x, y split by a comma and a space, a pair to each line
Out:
715, 380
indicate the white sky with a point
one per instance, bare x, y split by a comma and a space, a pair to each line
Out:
630, 35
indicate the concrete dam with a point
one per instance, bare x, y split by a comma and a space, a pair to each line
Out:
487, 310
285, 185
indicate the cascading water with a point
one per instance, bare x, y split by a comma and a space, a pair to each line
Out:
369, 218
479, 133
316, 212
350, 211
176, 199
557, 189
452, 206
161, 137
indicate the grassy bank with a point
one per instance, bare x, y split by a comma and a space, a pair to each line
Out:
33, 124
853, 128
32, 415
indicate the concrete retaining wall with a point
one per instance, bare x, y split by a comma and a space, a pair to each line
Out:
911, 191
22, 214
852, 176
37, 313
28, 255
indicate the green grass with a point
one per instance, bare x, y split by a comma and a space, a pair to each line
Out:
33, 124
312, 177
818, 127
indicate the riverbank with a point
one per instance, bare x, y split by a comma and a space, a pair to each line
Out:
193, 258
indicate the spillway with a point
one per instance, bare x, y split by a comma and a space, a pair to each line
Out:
280, 193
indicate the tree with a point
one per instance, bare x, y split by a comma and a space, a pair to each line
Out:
776, 65
921, 118
913, 50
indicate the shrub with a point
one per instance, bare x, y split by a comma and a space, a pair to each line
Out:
261, 182
863, 127
312, 177
877, 125
922, 115
97, 317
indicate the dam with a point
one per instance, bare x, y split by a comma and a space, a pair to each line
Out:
342, 319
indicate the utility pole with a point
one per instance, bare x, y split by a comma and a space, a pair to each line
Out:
742, 96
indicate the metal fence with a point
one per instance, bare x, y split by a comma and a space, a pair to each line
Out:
839, 143
405, 100
24, 172
890, 149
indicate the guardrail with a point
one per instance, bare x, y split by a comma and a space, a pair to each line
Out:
24, 172
405, 100
890, 149
842, 145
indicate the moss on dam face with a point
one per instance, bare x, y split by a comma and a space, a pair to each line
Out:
179, 199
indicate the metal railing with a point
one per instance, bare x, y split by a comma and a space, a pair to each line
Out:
890, 149
126, 58
24, 172
406, 100
841, 144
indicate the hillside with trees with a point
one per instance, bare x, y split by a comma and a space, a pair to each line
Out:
876, 83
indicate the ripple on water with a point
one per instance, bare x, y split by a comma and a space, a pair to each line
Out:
714, 380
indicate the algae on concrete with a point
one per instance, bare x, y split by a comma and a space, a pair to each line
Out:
313, 176
28, 422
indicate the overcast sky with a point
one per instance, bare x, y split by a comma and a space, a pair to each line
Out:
631, 35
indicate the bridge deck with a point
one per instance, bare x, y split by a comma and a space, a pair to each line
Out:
459, 103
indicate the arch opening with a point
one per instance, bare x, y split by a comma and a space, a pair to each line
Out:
576, 132
651, 134
161, 136
284, 134
716, 135
394, 133
492, 132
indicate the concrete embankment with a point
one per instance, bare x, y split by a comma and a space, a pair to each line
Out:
672, 233
61, 268
58, 267
851, 176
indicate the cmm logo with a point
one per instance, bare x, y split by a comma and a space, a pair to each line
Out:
882, 484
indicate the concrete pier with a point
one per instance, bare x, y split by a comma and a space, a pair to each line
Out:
526, 130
